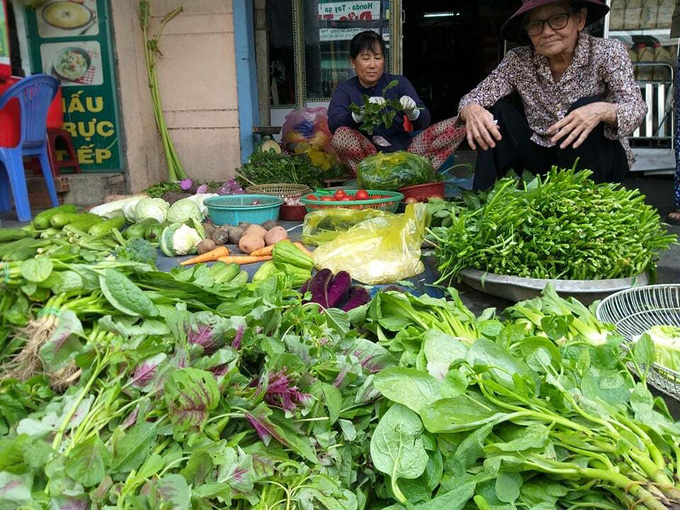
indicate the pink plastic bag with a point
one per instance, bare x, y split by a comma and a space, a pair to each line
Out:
308, 125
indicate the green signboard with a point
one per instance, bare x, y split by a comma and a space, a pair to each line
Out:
4, 43
71, 40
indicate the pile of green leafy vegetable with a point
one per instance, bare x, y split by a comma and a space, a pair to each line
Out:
266, 167
538, 412
122, 386
560, 226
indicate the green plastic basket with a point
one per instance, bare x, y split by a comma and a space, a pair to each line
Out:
380, 199
234, 209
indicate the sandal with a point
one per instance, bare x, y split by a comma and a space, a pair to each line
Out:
673, 218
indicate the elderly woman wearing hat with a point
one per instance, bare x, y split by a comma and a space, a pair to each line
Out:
578, 93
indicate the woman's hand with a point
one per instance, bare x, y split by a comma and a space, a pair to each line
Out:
408, 105
579, 123
359, 117
480, 127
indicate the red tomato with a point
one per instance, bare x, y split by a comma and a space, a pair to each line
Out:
362, 194
311, 197
346, 198
327, 198
340, 194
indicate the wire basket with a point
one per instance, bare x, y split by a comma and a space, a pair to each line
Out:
279, 189
634, 311
422, 192
382, 200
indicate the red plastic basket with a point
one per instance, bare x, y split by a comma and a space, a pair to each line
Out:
422, 192
292, 212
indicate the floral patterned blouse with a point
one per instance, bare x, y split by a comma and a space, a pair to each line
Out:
600, 67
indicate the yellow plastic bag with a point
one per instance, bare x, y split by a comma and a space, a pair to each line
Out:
379, 250
324, 225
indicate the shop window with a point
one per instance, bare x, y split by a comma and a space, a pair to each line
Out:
309, 45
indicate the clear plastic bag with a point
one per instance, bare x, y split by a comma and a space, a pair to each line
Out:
379, 250
324, 225
394, 170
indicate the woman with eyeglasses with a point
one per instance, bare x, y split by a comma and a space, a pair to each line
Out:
577, 91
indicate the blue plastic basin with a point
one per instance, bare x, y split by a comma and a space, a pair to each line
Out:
235, 209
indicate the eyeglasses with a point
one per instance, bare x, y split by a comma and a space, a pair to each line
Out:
556, 22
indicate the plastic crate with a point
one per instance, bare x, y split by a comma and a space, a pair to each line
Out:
234, 209
422, 192
380, 199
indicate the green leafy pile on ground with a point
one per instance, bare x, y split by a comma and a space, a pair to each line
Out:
561, 226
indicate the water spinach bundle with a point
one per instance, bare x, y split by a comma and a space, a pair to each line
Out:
560, 226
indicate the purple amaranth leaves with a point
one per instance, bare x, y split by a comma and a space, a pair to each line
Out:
146, 371
202, 334
131, 418
262, 431
281, 393
236, 342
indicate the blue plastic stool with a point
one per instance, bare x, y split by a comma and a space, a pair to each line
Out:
35, 94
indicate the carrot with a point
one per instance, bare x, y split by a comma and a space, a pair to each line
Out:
209, 256
268, 250
244, 259
303, 248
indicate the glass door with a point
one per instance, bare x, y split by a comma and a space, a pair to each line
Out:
309, 47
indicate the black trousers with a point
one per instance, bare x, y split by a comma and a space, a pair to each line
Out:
606, 158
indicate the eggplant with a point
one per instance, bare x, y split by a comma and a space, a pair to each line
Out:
338, 288
358, 296
318, 286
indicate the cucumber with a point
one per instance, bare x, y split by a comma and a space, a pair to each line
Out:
13, 234
138, 229
105, 227
60, 219
42, 220
85, 222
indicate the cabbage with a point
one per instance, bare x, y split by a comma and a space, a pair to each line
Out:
666, 341
394, 171
116, 208
155, 208
183, 211
179, 239
198, 199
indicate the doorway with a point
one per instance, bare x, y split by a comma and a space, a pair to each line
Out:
449, 46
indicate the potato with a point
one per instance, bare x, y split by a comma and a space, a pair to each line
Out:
235, 234
208, 229
220, 235
255, 230
205, 246
244, 225
249, 243
269, 224
275, 235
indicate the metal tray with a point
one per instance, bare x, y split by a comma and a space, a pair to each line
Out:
515, 288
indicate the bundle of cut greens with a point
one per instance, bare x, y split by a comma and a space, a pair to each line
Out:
560, 226
265, 167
